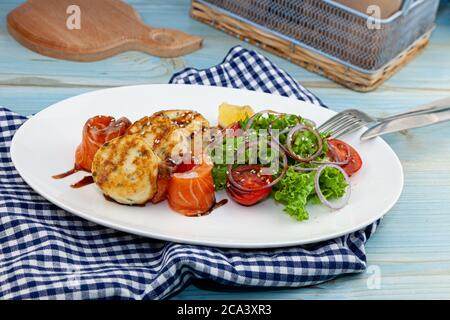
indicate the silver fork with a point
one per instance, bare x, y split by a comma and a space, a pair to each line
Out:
351, 120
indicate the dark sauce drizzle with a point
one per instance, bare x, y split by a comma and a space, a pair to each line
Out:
66, 174
83, 182
215, 206
218, 205
87, 180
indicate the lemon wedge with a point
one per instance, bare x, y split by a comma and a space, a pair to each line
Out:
229, 114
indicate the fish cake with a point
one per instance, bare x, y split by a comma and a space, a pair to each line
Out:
153, 128
126, 170
168, 132
189, 120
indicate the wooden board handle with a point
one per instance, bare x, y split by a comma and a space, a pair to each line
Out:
167, 43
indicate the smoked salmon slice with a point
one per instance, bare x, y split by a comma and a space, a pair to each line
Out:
162, 184
96, 131
192, 192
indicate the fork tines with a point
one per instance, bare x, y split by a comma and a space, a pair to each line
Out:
345, 122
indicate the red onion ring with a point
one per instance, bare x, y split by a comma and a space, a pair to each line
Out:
303, 169
285, 130
273, 145
270, 130
277, 141
320, 194
309, 122
291, 152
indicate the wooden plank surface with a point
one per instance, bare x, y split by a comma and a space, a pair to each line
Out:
411, 249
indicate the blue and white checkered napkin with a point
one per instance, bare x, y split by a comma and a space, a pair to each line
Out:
48, 253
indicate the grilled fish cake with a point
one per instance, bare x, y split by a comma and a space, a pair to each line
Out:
189, 120
126, 169
159, 133
168, 132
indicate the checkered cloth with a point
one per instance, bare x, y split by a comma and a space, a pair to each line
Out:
48, 253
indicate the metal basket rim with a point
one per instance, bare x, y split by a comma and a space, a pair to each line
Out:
358, 13
366, 16
305, 46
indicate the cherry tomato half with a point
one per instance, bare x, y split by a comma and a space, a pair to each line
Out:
249, 177
340, 149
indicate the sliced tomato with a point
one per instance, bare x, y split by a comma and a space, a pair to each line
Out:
341, 152
249, 177
96, 131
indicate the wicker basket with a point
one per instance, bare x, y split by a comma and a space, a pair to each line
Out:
326, 37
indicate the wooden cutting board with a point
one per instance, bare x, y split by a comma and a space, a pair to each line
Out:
92, 30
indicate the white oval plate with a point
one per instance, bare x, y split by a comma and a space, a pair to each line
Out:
46, 143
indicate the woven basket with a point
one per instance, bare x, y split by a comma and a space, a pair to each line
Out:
361, 60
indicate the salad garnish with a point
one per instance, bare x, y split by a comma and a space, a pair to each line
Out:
316, 169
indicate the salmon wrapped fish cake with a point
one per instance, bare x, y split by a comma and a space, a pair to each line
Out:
96, 131
138, 167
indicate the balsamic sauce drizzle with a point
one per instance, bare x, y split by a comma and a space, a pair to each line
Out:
83, 182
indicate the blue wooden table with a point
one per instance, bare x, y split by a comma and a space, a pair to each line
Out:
411, 249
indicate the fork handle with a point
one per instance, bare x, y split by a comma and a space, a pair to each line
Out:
410, 121
428, 107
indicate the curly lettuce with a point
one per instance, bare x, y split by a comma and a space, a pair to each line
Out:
296, 190
293, 191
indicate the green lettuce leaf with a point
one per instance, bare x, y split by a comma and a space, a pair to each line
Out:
219, 173
296, 190
293, 191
